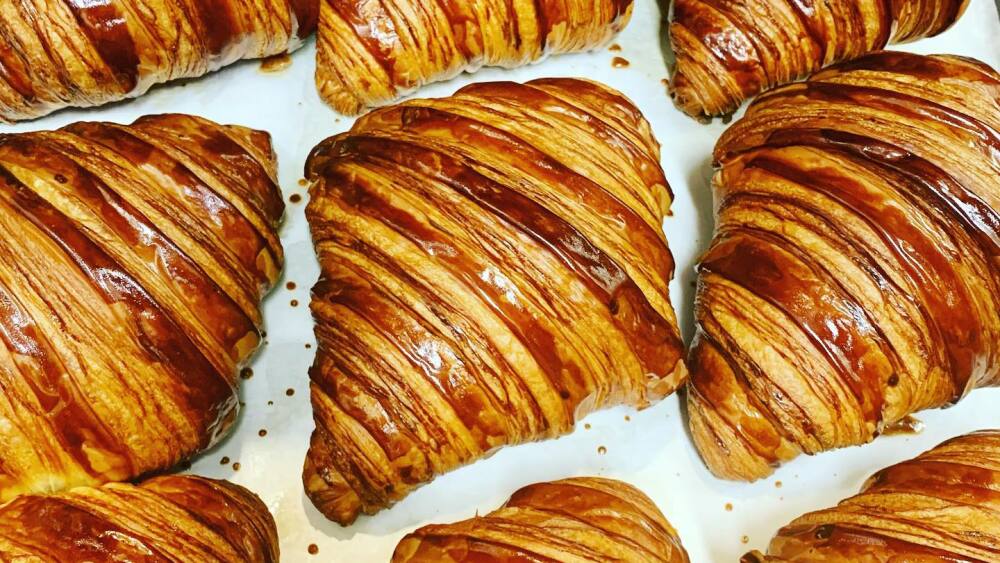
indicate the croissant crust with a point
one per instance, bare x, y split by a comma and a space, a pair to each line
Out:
492, 268
171, 518
573, 520
371, 53
132, 262
941, 506
854, 277
60, 53
727, 52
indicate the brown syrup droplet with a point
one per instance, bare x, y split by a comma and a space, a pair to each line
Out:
586, 426
290, 286
745, 539
224, 460
277, 63
246, 373
615, 47
269, 403
295, 198
893, 380
313, 549
308, 345
628, 418
908, 425
294, 302
777, 484
289, 391
236, 466
262, 432
303, 182
729, 507
602, 450
619, 62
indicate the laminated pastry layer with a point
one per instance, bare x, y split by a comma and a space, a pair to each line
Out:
492, 268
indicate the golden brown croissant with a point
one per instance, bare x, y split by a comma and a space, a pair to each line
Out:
171, 518
132, 262
729, 51
854, 277
941, 506
578, 520
493, 268
59, 53
371, 53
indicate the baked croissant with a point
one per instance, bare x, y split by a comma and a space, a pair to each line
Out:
58, 53
854, 277
371, 53
492, 269
574, 520
941, 506
727, 52
172, 518
132, 262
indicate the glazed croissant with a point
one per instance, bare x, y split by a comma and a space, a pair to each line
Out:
371, 53
854, 277
581, 520
132, 262
492, 269
173, 518
727, 52
941, 506
58, 53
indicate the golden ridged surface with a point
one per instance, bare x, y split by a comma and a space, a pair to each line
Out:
371, 53
854, 277
941, 506
173, 518
59, 53
582, 520
727, 52
132, 262
493, 268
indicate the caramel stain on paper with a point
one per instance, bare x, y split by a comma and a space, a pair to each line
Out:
277, 63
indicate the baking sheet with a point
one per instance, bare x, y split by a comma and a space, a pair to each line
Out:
650, 449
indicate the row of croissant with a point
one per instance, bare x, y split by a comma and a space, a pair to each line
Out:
76, 53
492, 269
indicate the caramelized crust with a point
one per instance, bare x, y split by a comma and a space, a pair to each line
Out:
493, 268
942, 506
727, 52
579, 520
854, 277
371, 53
60, 53
173, 518
132, 262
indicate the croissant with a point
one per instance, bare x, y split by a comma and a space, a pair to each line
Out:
371, 53
574, 520
727, 52
172, 518
58, 53
854, 277
941, 506
492, 269
132, 262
